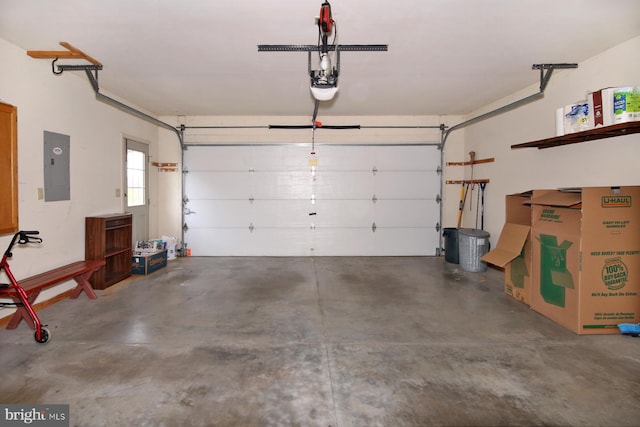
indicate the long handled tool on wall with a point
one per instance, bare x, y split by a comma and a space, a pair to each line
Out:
483, 185
470, 184
466, 186
461, 205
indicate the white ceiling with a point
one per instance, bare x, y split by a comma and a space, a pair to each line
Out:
200, 57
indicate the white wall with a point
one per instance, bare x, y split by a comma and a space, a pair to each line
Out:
606, 162
64, 104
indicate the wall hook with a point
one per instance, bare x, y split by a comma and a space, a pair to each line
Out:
53, 67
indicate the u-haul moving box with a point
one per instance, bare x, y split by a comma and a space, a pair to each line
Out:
586, 257
513, 250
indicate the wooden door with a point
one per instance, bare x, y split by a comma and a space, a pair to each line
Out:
8, 169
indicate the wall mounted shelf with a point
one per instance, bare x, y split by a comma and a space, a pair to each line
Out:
472, 162
588, 135
468, 181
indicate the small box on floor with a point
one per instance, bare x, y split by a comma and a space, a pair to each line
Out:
146, 264
147, 247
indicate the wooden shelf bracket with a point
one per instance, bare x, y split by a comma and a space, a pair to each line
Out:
72, 52
468, 181
471, 162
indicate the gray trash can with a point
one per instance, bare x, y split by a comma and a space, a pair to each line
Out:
451, 245
472, 244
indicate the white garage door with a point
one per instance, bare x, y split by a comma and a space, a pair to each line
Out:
279, 200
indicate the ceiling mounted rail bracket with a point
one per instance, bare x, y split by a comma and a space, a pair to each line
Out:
316, 48
545, 74
324, 79
72, 52
75, 53
544, 77
95, 65
317, 76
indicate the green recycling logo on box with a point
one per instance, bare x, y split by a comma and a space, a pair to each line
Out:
614, 274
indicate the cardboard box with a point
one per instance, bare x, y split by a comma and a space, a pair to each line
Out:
148, 247
148, 263
513, 251
585, 271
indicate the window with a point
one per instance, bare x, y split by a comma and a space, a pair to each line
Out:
136, 164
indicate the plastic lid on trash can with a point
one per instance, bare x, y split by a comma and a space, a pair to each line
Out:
473, 232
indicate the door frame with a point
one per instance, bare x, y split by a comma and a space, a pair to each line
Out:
137, 211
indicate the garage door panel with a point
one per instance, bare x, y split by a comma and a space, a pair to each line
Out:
218, 185
406, 158
344, 158
219, 158
281, 185
281, 213
219, 213
405, 241
406, 185
344, 185
242, 242
405, 213
280, 157
218, 241
343, 213
281, 241
342, 242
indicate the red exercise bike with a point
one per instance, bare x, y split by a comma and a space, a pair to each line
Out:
14, 289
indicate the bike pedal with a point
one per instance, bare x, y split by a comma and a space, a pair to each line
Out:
4, 285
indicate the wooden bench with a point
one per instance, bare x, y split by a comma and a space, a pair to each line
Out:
80, 271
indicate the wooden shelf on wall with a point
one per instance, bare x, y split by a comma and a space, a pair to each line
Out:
588, 135
468, 181
471, 162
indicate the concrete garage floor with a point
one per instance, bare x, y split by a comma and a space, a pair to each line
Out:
405, 341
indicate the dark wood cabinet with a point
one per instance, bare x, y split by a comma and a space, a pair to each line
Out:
108, 238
